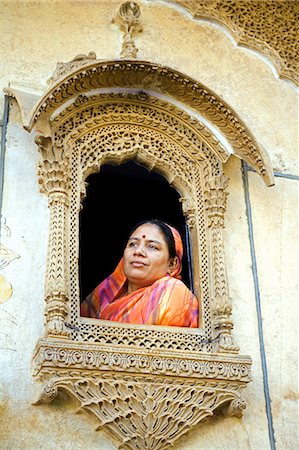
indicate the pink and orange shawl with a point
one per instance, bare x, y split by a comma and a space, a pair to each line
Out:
166, 302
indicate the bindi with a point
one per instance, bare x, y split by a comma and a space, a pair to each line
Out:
144, 236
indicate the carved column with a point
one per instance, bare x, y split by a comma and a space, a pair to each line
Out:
215, 199
189, 211
54, 179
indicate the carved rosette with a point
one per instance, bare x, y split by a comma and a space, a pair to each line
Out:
54, 179
215, 198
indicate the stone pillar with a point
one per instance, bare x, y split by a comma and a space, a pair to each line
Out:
54, 179
215, 200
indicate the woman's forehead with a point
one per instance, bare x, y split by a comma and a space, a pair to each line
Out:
148, 231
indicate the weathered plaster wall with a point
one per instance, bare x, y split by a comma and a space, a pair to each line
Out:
34, 36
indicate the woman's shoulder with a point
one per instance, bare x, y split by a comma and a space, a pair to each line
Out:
175, 282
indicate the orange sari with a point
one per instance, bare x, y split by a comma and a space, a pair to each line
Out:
166, 302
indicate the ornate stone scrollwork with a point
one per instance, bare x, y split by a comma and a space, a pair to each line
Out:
128, 20
148, 412
63, 69
143, 75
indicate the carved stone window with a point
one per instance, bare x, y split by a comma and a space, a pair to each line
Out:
139, 380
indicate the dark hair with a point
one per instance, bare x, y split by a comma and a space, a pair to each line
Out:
165, 230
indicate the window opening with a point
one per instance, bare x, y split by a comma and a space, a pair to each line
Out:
118, 197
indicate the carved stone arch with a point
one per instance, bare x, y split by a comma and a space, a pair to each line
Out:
91, 75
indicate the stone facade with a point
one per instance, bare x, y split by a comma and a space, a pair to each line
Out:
260, 234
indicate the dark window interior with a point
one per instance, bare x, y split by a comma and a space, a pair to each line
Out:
118, 197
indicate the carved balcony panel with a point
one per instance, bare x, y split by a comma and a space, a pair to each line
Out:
140, 395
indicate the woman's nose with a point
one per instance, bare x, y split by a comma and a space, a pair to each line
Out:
140, 250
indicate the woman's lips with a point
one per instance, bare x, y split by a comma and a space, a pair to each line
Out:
138, 264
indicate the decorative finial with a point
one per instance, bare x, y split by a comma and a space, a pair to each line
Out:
128, 20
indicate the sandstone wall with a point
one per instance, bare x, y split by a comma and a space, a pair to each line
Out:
34, 36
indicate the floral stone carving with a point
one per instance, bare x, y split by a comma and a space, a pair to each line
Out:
128, 20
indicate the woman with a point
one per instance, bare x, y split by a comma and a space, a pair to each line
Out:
145, 287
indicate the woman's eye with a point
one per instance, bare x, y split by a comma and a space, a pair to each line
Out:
153, 246
132, 244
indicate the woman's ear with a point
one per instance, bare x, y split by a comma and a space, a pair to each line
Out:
173, 264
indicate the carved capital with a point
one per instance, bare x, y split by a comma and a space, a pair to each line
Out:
56, 313
188, 211
53, 170
223, 326
128, 20
215, 199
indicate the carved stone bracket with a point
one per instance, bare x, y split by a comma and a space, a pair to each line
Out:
128, 20
141, 396
54, 179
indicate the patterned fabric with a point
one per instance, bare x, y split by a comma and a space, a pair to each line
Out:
166, 302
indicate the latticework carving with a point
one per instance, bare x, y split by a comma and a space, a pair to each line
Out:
268, 26
137, 380
143, 129
137, 395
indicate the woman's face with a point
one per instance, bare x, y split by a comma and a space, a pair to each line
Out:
146, 257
